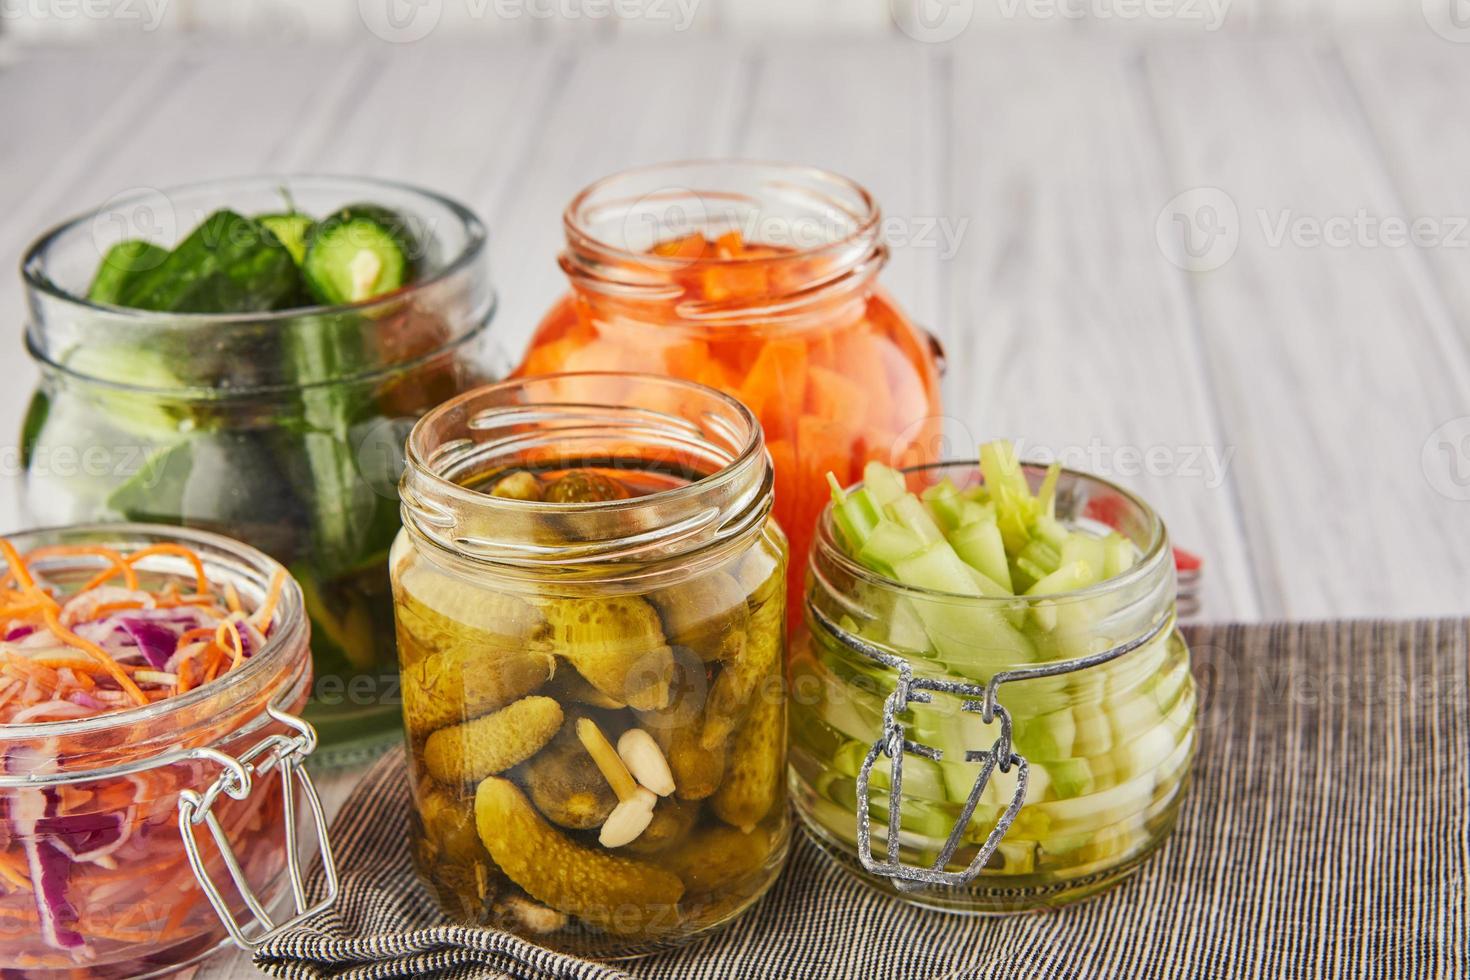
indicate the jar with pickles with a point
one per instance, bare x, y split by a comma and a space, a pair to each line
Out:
759, 280
591, 624
992, 708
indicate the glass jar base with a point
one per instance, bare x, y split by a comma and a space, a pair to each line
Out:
1022, 893
601, 947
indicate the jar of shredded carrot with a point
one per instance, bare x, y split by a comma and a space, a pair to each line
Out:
759, 280
149, 680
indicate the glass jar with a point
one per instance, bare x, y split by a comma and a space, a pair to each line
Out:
759, 280
282, 429
593, 690
95, 877
1083, 717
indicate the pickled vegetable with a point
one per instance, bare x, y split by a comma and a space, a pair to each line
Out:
617, 644
706, 614
445, 687
573, 723
753, 784
620, 894
1108, 746
494, 743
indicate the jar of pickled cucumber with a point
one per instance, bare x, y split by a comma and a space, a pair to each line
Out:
1040, 734
590, 603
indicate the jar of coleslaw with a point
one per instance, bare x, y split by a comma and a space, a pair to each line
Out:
129, 807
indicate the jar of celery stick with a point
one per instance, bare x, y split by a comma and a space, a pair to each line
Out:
1040, 744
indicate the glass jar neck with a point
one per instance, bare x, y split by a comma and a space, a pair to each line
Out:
707, 442
209, 355
1114, 612
723, 243
128, 741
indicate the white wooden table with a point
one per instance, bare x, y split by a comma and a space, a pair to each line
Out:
1298, 408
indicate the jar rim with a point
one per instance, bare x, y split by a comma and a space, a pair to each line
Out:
34, 261
1152, 557
289, 617
423, 466
865, 221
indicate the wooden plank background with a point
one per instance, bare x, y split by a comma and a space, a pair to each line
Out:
1297, 399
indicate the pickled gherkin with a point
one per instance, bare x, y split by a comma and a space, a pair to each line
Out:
617, 644
620, 894
451, 685
738, 685
584, 487
565, 784
753, 783
707, 614
492, 743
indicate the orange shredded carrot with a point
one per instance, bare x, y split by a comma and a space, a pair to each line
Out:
71, 639
201, 578
230, 630
195, 635
17, 566
112, 607
267, 608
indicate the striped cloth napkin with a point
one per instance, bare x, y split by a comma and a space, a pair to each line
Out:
1325, 835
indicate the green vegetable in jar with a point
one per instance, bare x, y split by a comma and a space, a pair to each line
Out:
492, 743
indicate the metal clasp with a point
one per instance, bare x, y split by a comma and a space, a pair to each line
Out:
982, 700
288, 752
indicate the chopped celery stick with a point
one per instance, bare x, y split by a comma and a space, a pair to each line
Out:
978, 494
1046, 497
889, 543
1042, 555
973, 513
959, 777
1044, 612
1088, 550
1070, 777
1015, 508
945, 504
1050, 530
854, 514
970, 638
1068, 578
1026, 573
1094, 735
1046, 737
921, 777
884, 485
980, 546
988, 586
907, 511
1120, 555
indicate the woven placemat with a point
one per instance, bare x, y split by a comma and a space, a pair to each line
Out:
1325, 835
